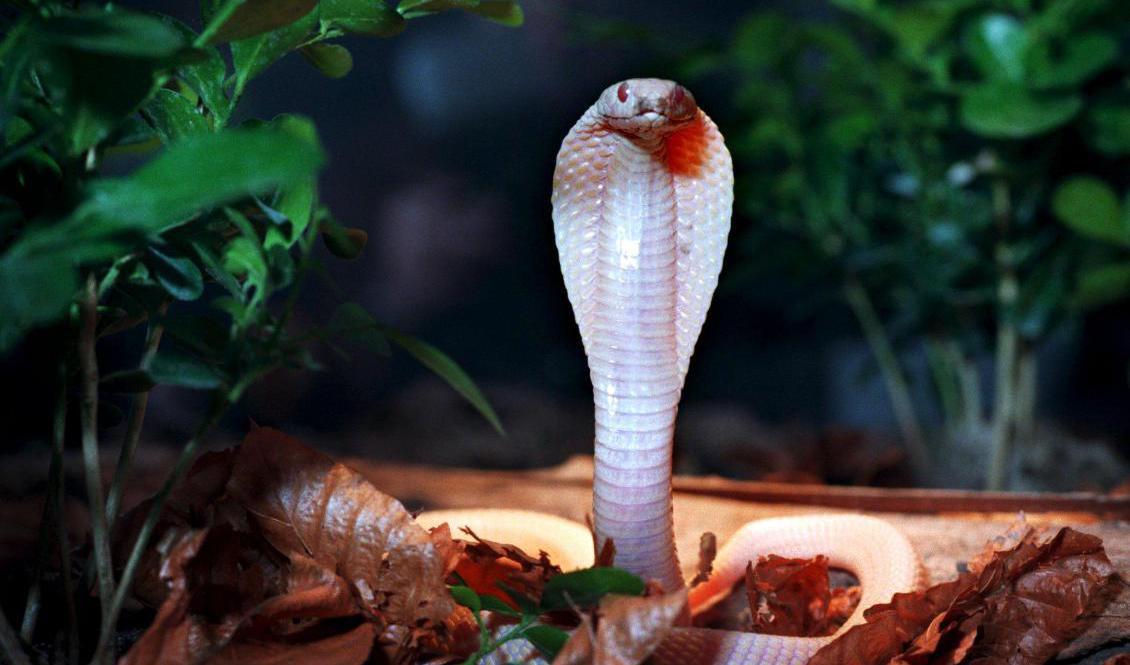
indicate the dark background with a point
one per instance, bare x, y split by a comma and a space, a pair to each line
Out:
441, 145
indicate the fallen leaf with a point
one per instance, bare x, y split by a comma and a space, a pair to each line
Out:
1021, 602
707, 550
301, 501
273, 553
628, 629
485, 563
794, 597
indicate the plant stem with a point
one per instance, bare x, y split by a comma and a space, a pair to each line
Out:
1008, 290
216, 22
897, 388
52, 513
1026, 387
59, 496
1003, 409
88, 362
133, 430
10, 644
970, 381
219, 405
946, 380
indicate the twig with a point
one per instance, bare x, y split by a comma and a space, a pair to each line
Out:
10, 643
58, 439
220, 405
52, 512
897, 388
136, 420
88, 362
223, 13
1008, 291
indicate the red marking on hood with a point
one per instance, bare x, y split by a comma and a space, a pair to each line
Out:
686, 148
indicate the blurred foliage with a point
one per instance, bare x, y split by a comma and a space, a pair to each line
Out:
960, 165
128, 196
218, 212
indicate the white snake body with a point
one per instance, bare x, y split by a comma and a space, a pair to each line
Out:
642, 199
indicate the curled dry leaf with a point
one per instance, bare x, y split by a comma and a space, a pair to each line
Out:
707, 550
301, 501
794, 597
628, 629
1021, 602
273, 554
486, 563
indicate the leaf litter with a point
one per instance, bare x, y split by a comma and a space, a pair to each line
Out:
273, 552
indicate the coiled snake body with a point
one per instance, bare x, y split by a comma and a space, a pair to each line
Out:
642, 198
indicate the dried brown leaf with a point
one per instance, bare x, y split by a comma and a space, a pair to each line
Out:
301, 501
298, 559
485, 563
1021, 602
628, 630
707, 550
794, 597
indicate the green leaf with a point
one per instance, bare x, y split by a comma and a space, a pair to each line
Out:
1103, 285
333, 60
1083, 56
251, 56
354, 323
918, 27
493, 604
585, 588
1004, 110
446, 368
344, 243
1090, 207
210, 261
997, 44
547, 639
46, 287
196, 174
361, 16
410, 9
173, 116
177, 369
130, 381
466, 597
90, 104
1109, 128
254, 17
117, 32
206, 78
504, 12
244, 257
178, 275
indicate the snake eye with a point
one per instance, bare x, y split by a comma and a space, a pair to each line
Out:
622, 92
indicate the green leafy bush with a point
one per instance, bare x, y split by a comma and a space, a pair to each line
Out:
954, 170
219, 212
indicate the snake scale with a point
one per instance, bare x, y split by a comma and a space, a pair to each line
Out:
642, 199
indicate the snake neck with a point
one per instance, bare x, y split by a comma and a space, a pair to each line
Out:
633, 362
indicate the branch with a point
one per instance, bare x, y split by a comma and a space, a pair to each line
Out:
219, 405
10, 643
897, 388
88, 362
136, 420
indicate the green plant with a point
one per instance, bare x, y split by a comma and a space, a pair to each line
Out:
916, 160
215, 211
569, 591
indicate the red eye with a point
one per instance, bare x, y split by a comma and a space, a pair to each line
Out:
677, 95
622, 92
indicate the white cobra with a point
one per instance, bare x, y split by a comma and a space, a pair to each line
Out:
642, 198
